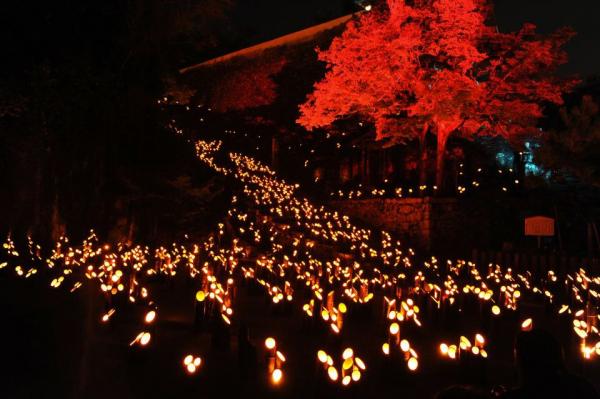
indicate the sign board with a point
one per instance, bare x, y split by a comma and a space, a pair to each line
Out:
539, 226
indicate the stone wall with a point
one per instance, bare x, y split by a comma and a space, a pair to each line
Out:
423, 223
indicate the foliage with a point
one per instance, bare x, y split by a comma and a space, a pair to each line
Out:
242, 88
437, 66
575, 148
79, 86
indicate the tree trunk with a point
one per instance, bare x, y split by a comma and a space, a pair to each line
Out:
442, 137
41, 167
382, 166
57, 227
274, 152
37, 195
365, 166
423, 156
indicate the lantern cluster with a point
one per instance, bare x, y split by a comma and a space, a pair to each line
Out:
275, 361
349, 371
192, 363
465, 346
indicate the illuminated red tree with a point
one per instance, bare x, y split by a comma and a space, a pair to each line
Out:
437, 66
246, 86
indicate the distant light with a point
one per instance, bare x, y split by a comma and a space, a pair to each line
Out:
413, 364
348, 353
150, 316
333, 374
191, 368
280, 356
192, 363
322, 356
368, 7
276, 376
404, 345
188, 359
361, 365
444, 349
200, 296
479, 339
270, 343
385, 348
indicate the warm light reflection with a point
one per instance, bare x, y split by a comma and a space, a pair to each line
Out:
279, 240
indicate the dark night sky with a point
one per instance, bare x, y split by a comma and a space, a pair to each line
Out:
548, 15
264, 19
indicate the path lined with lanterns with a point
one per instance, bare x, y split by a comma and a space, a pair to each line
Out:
317, 262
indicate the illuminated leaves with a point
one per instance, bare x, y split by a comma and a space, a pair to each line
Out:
437, 66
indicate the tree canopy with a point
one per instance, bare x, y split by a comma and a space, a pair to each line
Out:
574, 148
437, 66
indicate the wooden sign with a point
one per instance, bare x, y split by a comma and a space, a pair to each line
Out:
539, 226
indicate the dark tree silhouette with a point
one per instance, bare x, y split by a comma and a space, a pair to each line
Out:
575, 148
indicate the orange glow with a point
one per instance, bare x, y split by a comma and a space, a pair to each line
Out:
348, 363
106, 317
188, 359
348, 353
280, 356
150, 316
413, 364
404, 345
192, 363
142, 338
385, 348
452, 350
270, 343
191, 368
322, 356
443, 349
294, 228
276, 376
479, 340
361, 365
333, 374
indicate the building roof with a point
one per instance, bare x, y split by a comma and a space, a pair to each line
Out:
300, 36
